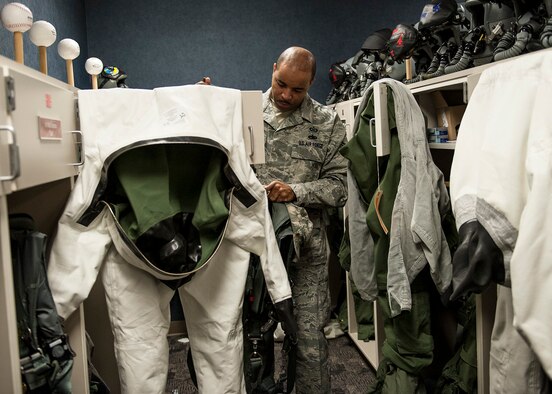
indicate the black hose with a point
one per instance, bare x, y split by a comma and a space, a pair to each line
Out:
522, 38
366, 86
332, 97
457, 56
464, 63
354, 89
507, 41
546, 35
434, 65
428, 75
440, 71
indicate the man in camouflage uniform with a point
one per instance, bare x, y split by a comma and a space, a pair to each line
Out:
305, 170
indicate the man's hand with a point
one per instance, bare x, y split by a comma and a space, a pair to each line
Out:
278, 191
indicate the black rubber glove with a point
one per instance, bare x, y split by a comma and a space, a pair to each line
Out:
476, 262
284, 314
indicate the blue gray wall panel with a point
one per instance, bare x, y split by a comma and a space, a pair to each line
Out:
165, 43
170, 42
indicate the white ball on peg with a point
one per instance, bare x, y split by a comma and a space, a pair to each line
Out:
43, 34
17, 18
93, 67
69, 49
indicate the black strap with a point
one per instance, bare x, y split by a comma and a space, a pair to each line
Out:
286, 381
45, 355
23, 247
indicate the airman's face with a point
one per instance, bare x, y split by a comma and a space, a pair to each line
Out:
289, 86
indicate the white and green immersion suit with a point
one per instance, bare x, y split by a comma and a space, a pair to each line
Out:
170, 155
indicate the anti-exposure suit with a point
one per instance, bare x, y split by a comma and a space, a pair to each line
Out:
153, 156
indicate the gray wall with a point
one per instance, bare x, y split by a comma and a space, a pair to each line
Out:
68, 18
163, 43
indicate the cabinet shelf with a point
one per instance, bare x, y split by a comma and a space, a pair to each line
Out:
444, 145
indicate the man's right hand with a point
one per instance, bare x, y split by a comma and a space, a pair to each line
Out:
278, 191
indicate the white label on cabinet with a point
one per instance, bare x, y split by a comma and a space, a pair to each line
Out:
49, 129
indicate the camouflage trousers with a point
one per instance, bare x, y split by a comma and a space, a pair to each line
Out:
311, 296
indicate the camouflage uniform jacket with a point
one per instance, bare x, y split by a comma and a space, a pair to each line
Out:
303, 151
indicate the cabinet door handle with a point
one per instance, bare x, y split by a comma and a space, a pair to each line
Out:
371, 129
15, 168
251, 142
79, 149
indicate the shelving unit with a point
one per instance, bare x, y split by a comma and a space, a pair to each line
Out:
38, 162
446, 145
370, 349
460, 85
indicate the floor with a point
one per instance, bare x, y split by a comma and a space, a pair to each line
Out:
351, 373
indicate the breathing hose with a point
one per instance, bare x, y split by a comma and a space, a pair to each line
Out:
502, 50
464, 62
546, 35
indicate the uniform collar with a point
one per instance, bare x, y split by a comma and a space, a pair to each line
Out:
304, 112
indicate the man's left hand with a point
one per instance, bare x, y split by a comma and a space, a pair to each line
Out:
278, 191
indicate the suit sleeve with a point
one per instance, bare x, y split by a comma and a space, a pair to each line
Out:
75, 259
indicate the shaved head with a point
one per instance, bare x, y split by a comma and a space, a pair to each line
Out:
292, 76
298, 58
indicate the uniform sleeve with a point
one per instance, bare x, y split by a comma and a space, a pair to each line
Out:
331, 187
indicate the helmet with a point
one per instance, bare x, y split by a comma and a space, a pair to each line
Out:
337, 74
438, 12
112, 77
402, 41
396, 70
376, 41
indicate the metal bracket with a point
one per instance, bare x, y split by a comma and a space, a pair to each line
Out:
80, 148
15, 168
10, 93
251, 142
383, 134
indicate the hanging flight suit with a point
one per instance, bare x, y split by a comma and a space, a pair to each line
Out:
166, 193
406, 245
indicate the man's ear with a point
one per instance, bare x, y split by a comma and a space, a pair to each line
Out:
274, 67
